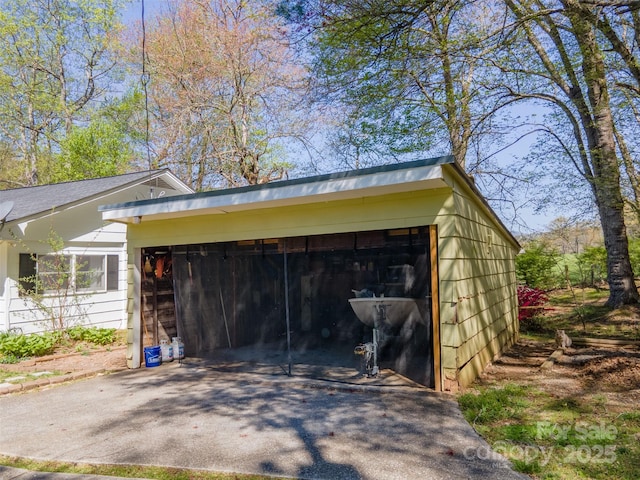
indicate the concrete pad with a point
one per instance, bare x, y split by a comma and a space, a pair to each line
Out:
195, 417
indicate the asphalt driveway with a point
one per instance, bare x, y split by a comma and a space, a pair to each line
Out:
192, 416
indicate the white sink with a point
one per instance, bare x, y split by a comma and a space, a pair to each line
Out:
396, 310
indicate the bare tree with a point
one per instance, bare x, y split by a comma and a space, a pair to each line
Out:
225, 92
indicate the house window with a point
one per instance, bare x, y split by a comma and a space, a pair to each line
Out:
90, 273
54, 272
27, 273
112, 272
57, 273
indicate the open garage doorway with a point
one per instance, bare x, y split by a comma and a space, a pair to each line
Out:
235, 300
158, 315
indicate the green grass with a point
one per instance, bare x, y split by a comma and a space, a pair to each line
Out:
582, 313
554, 434
556, 438
569, 297
127, 471
494, 405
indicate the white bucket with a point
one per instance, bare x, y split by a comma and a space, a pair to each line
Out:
178, 348
167, 351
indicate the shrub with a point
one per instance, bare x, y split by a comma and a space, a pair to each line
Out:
14, 347
34, 345
536, 266
593, 265
98, 336
530, 301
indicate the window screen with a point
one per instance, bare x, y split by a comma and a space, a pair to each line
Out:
27, 273
112, 272
90, 273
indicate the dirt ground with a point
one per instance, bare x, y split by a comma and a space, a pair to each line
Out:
105, 358
580, 371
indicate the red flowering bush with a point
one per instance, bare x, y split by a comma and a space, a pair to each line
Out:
530, 301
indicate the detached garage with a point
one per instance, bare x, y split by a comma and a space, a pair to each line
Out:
405, 265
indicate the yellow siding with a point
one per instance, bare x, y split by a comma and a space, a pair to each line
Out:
478, 310
392, 211
370, 213
473, 368
481, 286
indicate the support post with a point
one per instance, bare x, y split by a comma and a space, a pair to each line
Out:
134, 310
286, 303
435, 306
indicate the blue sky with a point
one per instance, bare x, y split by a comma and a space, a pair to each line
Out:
528, 218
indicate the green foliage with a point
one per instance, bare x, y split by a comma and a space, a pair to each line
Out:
21, 346
400, 71
634, 255
8, 359
537, 266
16, 346
55, 61
593, 260
106, 145
561, 432
590, 266
526, 466
98, 150
125, 113
95, 335
570, 270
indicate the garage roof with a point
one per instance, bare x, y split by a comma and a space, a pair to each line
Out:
402, 177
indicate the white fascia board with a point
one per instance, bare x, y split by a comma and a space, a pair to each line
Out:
341, 188
175, 182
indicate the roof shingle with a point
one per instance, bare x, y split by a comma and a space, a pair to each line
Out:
31, 201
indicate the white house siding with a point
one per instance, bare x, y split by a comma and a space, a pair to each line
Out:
83, 233
102, 308
5, 283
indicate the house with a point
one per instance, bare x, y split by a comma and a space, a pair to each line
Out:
407, 257
85, 281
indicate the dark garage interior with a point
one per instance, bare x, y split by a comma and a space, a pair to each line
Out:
231, 302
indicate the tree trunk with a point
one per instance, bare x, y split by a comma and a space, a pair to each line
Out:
622, 288
606, 174
632, 174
